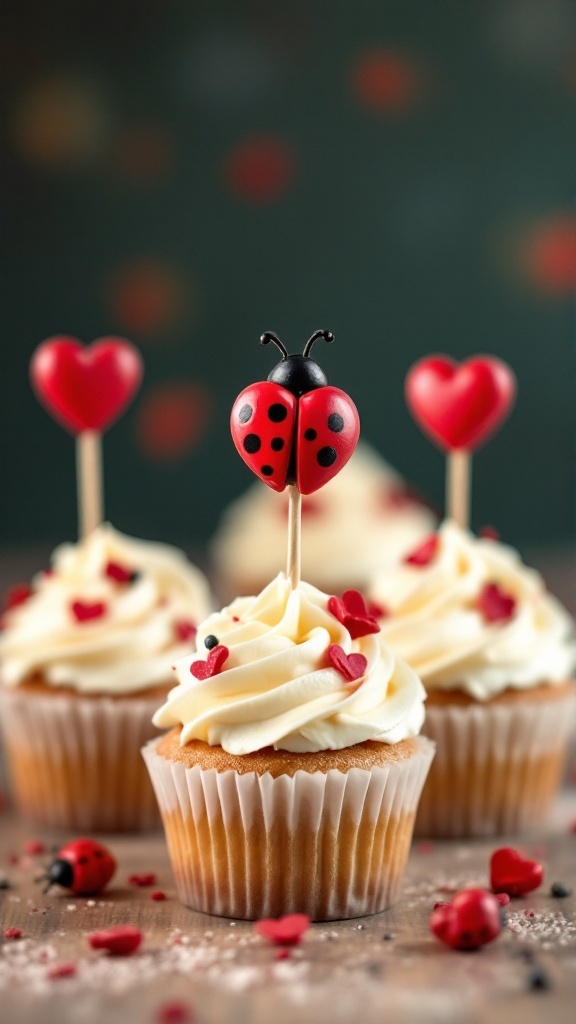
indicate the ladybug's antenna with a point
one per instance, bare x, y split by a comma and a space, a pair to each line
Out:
327, 335
268, 337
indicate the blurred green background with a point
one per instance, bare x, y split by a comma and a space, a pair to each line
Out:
188, 175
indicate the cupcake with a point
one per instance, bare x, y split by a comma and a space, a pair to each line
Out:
496, 654
365, 516
85, 661
290, 777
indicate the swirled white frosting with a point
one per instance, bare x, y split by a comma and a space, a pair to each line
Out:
362, 518
277, 687
133, 644
434, 622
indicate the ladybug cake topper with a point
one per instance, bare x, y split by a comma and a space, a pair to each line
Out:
85, 389
295, 430
459, 406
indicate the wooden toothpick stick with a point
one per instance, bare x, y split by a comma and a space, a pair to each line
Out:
458, 487
89, 480
294, 535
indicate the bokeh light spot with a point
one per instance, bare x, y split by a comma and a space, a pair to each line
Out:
171, 420
383, 80
261, 169
146, 297
145, 154
61, 122
549, 255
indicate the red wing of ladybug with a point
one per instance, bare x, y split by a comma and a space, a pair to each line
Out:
263, 422
327, 434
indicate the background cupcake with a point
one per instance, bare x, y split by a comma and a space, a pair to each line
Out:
364, 516
85, 661
496, 654
291, 777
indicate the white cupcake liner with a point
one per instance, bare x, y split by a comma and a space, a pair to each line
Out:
74, 762
498, 766
329, 845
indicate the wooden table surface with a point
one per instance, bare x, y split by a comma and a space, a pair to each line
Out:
386, 968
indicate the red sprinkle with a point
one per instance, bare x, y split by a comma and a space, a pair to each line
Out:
16, 595
529, 913
283, 931
33, 847
213, 664
120, 940
503, 898
85, 612
13, 933
351, 666
65, 970
175, 1013
283, 954
118, 573
185, 630
425, 847
488, 533
235, 618
352, 612
494, 604
424, 554
158, 895
142, 880
440, 903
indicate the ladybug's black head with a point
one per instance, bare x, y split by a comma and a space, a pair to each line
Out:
297, 373
61, 873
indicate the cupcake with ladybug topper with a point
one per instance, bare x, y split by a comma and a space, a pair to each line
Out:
364, 517
494, 649
86, 652
290, 775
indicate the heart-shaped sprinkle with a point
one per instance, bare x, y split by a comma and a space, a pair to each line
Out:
185, 630
351, 666
283, 931
119, 573
495, 604
488, 533
425, 553
85, 388
470, 921
460, 406
512, 872
213, 664
142, 880
119, 940
352, 612
63, 970
84, 611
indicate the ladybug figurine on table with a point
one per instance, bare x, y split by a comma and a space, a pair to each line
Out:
82, 866
294, 428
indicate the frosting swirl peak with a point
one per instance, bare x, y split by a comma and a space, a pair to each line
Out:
278, 688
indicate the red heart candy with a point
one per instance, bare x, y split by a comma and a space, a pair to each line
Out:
471, 920
85, 388
119, 940
352, 666
460, 406
285, 931
85, 612
352, 612
424, 554
212, 665
513, 873
495, 604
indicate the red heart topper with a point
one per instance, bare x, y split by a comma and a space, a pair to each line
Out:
283, 931
85, 388
460, 406
513, 873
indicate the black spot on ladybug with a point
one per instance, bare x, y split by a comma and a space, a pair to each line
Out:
277, 444
266, 470
277, 412
327, 456
310, 434
245, 413
335, 422
252, 443
210, 641
82, 860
